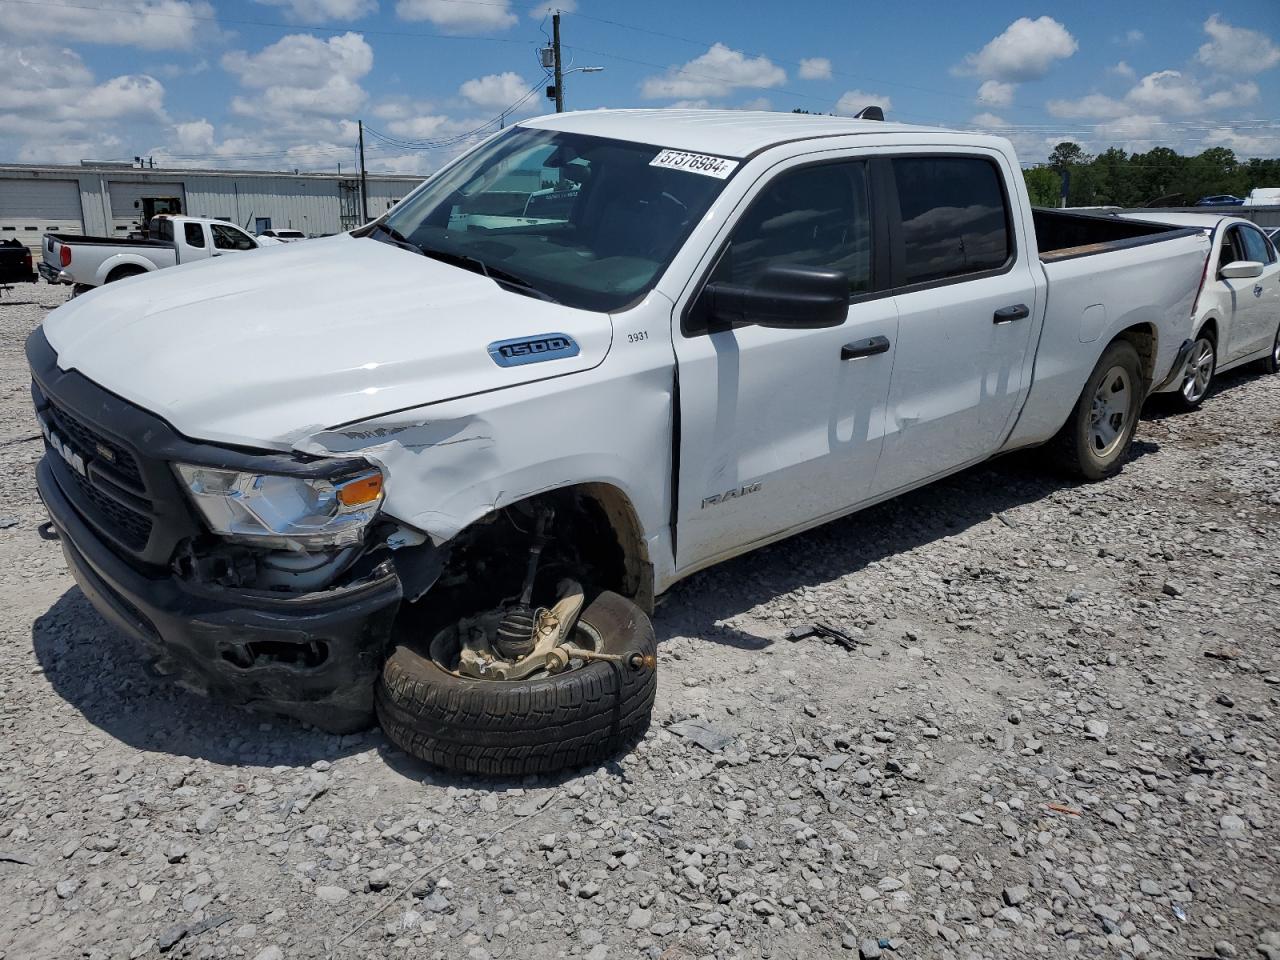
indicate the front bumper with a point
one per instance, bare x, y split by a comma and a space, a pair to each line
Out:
310, 656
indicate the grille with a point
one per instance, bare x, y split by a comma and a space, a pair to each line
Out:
116, 460
131, 528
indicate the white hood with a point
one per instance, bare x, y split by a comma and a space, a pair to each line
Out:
266, 348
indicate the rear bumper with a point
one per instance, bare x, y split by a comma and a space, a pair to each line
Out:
52, 274
310, 656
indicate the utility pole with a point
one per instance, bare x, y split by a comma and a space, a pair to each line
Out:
555, 48
364, 184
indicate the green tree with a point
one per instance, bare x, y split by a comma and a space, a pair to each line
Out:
1067, 154
1044, 186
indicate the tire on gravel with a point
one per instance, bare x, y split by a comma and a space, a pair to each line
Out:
1072, 447
518, 727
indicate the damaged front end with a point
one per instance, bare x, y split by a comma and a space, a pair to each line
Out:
264, 579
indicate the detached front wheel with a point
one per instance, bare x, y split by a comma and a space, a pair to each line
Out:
579, 710
1096, 438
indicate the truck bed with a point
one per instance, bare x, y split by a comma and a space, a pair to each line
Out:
1062, 235
80, 240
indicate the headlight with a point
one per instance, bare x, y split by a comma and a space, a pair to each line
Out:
292, 513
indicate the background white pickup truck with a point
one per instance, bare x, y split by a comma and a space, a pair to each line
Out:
171, 240
727, 328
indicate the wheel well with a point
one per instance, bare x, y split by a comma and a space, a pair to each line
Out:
124, 270
594, 537
1144, 339
1211, 329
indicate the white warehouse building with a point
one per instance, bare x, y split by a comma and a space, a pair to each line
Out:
109, 199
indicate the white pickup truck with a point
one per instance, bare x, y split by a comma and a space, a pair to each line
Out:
443, 468
92, 261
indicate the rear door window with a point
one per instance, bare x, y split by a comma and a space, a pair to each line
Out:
194, 234
955, 218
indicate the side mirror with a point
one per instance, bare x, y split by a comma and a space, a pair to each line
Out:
787, 297
1241, 270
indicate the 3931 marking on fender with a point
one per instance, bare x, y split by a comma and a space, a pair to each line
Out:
708, 166
638, 336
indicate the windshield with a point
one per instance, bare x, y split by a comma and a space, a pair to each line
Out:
584, 221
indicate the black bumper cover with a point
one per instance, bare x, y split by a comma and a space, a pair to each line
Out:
310, 656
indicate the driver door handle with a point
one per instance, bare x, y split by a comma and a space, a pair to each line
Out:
1019, 311
864, 348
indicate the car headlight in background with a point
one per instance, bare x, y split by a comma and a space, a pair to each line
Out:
283, 512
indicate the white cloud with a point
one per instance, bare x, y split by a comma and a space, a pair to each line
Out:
815, 68
452, 15
1132, 37
1095, 106
1172, 92
1025, 51
194, 137
320, 11
152, 24
1237, 50
988, 121
1162, 92
700, 103
714, 74
759, 103
851, 101
53, 109
1247, 143
301, 76
1122, 69
547, 9
497, 90
301, 60
1134, 126
996, 94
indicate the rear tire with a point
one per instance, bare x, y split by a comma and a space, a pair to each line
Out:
518, 727
1197, 380
1096, 438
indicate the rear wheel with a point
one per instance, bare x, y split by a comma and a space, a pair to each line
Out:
1095, 440
1198, 378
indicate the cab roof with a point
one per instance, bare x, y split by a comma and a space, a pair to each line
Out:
725, 133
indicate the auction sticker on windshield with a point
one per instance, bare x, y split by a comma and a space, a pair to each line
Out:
717, 167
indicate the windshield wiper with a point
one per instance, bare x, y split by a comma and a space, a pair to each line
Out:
496, 274
474, 264
396, 238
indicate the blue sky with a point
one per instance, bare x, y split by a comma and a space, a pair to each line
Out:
280, 83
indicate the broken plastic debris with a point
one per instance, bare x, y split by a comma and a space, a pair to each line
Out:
705, 734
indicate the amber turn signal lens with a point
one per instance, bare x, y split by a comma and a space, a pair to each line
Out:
361, 490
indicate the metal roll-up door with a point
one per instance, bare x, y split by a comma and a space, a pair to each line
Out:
31, 207
129, 201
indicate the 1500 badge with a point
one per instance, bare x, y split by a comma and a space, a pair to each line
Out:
547, 346
718, 498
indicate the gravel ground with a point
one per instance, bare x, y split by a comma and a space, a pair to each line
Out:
1056, 738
